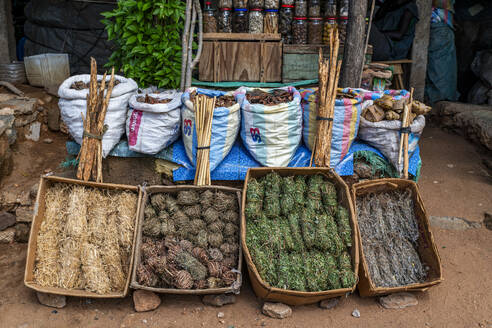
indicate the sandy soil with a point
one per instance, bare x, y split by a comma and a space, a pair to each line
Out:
453, 183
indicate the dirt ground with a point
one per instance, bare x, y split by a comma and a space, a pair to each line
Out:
454, 183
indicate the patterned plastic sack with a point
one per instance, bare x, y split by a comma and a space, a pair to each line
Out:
271, 133
225, 127
345, 121
152, 127
374, 95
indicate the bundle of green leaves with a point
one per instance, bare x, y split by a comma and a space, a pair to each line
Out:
298, 234
147, 34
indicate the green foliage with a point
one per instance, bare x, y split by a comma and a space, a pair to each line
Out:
148, 38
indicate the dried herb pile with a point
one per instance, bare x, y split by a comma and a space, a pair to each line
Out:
190, 240
85, 239
275, 97
80, 85
151, 100
298, 235
389, 232
222, 101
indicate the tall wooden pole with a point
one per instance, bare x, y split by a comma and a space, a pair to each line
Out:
353, 54
7, 39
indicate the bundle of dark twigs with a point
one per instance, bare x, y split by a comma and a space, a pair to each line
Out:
90, 155
204, 112
329, 73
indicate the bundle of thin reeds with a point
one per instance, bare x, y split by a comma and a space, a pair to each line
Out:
405, 124
90, 155
329, 73
204, 112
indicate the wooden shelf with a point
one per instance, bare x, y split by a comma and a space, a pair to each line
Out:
241, 37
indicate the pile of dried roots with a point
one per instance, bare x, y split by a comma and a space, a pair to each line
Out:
190, 240
298, 236
85, 239
390, 232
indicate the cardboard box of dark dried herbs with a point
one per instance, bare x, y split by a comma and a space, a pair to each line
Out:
82, 238
397, 249
188, 240
299, 234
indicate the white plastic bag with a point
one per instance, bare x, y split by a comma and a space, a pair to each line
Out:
152, 127
73, 105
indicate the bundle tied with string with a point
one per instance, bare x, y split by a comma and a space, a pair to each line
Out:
329, 73
204, 112
90, 155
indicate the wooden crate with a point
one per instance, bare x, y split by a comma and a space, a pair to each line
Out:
300, 61
241, 57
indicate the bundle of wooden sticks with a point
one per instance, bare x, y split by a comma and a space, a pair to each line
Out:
90, 155
204, 112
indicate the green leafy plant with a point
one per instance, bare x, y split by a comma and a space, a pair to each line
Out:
147, 34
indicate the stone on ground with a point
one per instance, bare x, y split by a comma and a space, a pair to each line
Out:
356, 313
34, 190
219, 300
145, 300
24, 214
329, 303
453, 223
21, 233
52, 300
277, 310
398, 301
6, 220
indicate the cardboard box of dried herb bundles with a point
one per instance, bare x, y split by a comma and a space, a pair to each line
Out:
299, 235
397, 249
82, 238
188, 240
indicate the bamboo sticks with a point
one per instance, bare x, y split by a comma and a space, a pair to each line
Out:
329, 74
90, 155
405, 125
204, 111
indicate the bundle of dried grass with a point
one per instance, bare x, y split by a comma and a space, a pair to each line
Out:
126, 203
96, 277
111, 255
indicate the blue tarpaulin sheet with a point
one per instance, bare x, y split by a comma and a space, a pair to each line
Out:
235, 165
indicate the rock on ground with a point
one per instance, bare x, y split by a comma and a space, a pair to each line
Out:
6, 220
356, 313
23, 214
21, 233
398, 301
219, 300
453, 223
144, 300
277, 310
329, 303
52, 300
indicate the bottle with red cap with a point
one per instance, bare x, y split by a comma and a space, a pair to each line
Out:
209, 20
256, 21
285, 25
225, 20
315, 30
300, 30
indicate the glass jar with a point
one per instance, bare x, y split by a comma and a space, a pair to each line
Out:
256, 4
240, 4
288, 2
314, 9
240, 20
301, 8
329, 25
256, 21
315, 30
225, 20
270, 22
271, 4
285, 26
299, 30
343, 11
209, 20
331, 8
342, 29
225, 4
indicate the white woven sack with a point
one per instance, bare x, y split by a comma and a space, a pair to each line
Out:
73, 105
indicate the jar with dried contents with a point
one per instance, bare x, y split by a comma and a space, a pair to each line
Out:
209, 20
240, 20
240, 4
301, 8
288, 2
256, 4
256, 21
271, 4
329, 25
225, 4
315, 31
314, 9
285, 26
270, 22
331, 8
299, 30
342, 29
225, 20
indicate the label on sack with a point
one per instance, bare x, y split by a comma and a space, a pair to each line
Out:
135, 121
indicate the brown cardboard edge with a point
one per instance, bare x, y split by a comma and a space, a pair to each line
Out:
366, 287
37, 220
135, 285
260, 287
